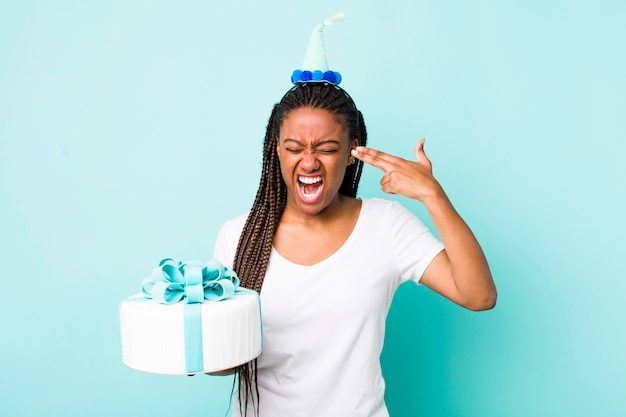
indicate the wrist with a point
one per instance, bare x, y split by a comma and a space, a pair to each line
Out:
435, 195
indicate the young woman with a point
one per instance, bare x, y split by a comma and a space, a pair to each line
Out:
326, 264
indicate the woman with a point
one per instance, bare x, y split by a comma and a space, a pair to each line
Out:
326, 264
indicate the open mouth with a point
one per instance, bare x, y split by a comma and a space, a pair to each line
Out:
310, 187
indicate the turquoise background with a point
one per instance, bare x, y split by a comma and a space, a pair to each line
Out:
130, 130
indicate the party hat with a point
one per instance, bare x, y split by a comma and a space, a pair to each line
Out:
315, 65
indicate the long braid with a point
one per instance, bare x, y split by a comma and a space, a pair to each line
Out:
255, 243
351, 179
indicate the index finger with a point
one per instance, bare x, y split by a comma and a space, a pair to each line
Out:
375, 158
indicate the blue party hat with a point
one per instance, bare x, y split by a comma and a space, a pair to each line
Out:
315, 65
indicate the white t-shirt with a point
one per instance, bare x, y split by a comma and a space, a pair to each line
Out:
324, 324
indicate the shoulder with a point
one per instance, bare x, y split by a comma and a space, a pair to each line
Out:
390, 214
379, 206
234, 225
228, 239
383, 214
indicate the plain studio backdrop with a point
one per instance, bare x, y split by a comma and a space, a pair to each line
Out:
130, 130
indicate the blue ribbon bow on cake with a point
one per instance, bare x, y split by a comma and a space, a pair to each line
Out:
173, 281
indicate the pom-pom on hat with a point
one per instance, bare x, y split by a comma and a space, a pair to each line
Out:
315, 65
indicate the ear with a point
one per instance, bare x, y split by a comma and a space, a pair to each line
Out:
353, 145
278, 148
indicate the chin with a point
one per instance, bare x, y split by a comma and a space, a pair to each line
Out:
311, 208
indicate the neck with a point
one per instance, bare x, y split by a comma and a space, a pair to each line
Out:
329, 213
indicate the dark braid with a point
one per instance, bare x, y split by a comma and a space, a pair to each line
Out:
255, 243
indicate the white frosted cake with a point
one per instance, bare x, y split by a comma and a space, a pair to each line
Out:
187, 338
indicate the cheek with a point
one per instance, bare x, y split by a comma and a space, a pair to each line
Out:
283, 157
284, 165
339, 168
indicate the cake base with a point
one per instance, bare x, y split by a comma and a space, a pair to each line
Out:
154, 340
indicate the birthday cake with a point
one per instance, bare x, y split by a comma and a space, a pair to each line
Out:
189, 319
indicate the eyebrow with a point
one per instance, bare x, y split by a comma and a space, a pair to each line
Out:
323, 142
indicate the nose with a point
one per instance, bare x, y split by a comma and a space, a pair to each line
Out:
309, 161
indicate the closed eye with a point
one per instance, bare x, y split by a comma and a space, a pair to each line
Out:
327, 151
322, 151
294, 150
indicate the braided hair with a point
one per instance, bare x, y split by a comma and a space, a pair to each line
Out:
255, 243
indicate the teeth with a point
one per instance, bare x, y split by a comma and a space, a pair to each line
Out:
309, 180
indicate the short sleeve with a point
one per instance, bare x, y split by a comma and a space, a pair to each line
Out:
227, 240
414, 245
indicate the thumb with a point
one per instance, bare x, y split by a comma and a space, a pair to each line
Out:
420, 155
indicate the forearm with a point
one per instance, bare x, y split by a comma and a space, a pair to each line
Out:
461, 272
468, 266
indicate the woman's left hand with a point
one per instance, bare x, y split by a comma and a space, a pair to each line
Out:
460, 273
412, 179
